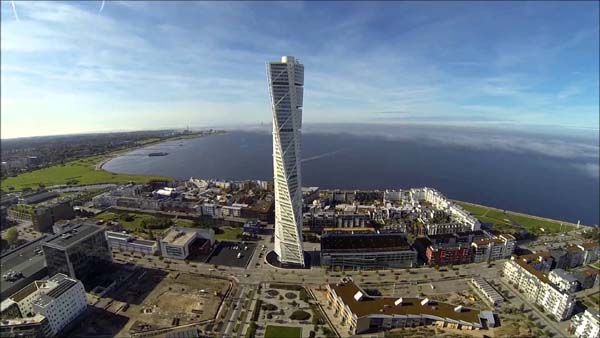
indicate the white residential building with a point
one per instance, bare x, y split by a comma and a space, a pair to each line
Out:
286, 85
586, 324
461, 221
60, 299
563, 280
499, 247
538, 288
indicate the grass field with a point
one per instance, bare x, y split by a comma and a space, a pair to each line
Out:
229, 234
534, 225
79, 172
505, 221
473, 209
283, 332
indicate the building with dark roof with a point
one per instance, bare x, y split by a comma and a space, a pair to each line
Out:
78, 253
363, 313
364, 250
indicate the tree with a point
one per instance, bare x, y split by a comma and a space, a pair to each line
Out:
11, 236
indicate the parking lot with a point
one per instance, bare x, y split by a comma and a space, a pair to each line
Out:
233, 254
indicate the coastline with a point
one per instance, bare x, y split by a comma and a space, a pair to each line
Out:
100, 165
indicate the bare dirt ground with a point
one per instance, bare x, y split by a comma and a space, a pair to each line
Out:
155, 300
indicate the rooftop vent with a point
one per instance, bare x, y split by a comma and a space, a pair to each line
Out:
358, 296
398, 301
458, 308
425, 301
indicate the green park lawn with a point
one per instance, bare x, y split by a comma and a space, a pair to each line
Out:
497, 219
535, 225
135, 225
504, 221
79, 172
229, 234
473, 209
283, 332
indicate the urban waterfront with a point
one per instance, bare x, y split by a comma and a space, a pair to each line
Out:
477, 166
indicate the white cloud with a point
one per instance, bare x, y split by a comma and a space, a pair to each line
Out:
213, 54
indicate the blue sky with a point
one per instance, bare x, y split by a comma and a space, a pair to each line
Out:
78, 67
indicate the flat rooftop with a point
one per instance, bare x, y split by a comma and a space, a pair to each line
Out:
129, 238
73, 236
178, 237
410, 306
364, 242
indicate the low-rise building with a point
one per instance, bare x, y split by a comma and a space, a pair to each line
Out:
352, 220
586, 324
176, 243
36, 326
59, 300
488, 291
37, 197
126, 242
365, 249
563, 280
317, 221
363, 313
538, 288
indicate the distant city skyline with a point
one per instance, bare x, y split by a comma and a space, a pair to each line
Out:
91, 66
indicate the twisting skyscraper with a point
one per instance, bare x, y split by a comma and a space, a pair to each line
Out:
286, 81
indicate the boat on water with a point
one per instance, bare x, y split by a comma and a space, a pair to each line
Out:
158, 154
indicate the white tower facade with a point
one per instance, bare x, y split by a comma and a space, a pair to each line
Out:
286, 81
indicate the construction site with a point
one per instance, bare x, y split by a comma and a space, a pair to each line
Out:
154, 301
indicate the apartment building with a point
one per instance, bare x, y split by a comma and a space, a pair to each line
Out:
59, 299
458, 253
538, 288
499, 247
563, 280
363, 313
586, 324
582, 254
